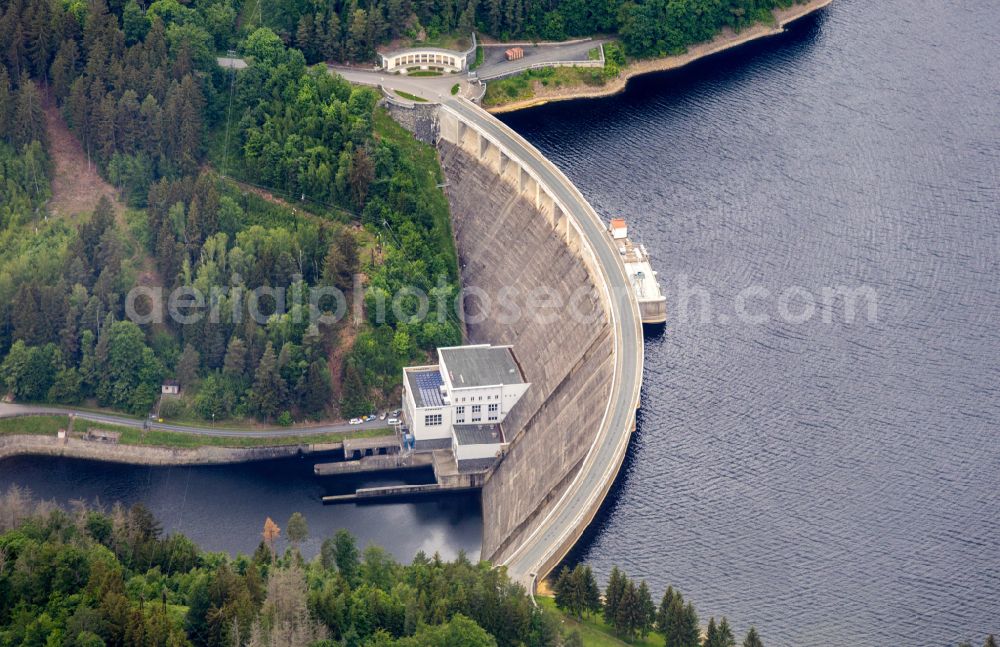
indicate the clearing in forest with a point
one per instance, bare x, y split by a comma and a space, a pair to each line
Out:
76, 185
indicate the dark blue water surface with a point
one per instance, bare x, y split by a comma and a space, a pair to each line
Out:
835, 484
223, 507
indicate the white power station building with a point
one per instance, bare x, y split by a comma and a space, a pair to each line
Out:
462, 402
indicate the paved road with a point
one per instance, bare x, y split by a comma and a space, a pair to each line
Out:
15, 410
496, 65
577, 506
579, 503
436, 89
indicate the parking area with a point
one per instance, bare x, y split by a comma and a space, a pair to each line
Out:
495, 63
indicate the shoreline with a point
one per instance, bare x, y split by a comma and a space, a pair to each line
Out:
725, 41
31, 445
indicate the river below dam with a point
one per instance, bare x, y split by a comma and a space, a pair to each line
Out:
835, 483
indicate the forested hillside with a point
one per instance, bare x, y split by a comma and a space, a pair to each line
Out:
141, 92
349, 30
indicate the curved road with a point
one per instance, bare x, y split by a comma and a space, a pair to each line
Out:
18, 410
568, 518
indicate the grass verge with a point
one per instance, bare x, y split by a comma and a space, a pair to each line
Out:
593, 631
33, 425
526, 84
49, 425
411, 97
480, 57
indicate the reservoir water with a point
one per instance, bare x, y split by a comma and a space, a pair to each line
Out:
837, 484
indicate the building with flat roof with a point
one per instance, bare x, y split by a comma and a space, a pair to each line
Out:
461, 402
424, 58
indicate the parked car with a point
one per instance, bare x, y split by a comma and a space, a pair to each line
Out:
383, 416
392, 421
395, 413
356, 421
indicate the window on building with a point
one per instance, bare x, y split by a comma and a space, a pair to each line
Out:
476, 408
493, 418
460, 411
493, 408
432, 420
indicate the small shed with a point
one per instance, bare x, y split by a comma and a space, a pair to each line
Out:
618, 228
170, 387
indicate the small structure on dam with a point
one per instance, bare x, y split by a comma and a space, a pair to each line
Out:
641, 275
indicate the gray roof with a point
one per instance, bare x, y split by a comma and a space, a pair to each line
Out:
478, 434
425, 385
471, 366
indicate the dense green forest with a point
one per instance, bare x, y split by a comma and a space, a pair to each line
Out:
349, 30
140, 90
86, 578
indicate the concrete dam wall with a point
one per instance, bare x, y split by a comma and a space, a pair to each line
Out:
513, 244
506, 246
531, 246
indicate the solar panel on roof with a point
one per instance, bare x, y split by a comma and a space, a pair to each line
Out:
429, 383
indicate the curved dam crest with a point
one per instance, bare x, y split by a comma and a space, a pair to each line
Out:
516, 234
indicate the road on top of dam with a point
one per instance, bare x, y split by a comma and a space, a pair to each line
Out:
579, 503
554, 536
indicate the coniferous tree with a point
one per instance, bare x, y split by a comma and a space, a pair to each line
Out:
235, 363
726, 638
711, 634
752, 639
563, 589
7, 100
613, 595
678, 625
690, 636
628, 617
346, 554
316, 392
187, 366
991, 641
592, 594
647, 610
269, 393
663, 613
28, 122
